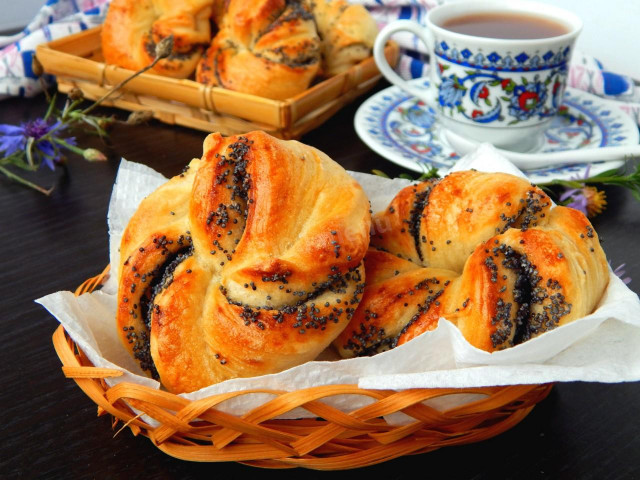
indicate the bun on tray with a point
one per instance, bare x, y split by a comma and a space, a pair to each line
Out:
266, 47
248, 263
270, 48
348, 33
485, 251
132, 29
275, 48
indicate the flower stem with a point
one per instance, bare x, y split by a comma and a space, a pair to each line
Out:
612, 180
68, 146
52, 106
29, 152
631, 181
69, 107
25, 182
119, 86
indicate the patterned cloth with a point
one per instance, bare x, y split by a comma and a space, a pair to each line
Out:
58, 18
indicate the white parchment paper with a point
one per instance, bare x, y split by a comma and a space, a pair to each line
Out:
602, 347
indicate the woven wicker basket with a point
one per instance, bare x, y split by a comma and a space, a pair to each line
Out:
77, 61
198, 431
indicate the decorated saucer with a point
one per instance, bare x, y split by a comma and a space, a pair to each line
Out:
407, 132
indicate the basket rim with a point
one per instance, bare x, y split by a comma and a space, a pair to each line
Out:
197, 430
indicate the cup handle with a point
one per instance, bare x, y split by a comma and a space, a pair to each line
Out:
385, 68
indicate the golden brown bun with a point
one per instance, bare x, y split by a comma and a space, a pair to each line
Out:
348, 33
248, 263
132, 29
268, 48
485, 251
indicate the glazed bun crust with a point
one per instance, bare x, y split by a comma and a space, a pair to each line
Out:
276, 48
484, 251
132, 29
268, 48
348, 33
248, 263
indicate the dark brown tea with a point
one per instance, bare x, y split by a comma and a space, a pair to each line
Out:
505, 25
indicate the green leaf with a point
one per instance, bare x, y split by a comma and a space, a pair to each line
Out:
495, 83
487, 101
524, 81
459, 85
609, 173
93, 121
431, 173
70, 110
380, 173
506, 99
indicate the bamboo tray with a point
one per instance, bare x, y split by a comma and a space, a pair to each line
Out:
335, 440
77, 61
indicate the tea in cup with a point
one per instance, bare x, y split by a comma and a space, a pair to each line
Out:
498, 68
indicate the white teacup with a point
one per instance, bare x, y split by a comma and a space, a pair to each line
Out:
495, 90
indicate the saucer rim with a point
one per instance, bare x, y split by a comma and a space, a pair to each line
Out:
389, 153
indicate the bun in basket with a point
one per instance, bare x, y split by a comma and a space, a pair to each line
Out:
485, 251
248, 263
133, 28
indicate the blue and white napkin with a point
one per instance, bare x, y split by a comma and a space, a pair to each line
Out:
56, 19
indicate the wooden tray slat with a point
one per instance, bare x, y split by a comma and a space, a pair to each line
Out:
79, 44
77, 61
167, 112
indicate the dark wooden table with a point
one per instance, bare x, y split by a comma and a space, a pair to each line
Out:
50, 429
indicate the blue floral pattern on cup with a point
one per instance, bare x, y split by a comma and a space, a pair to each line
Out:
500, 98
528, 100
451, 92
520, 62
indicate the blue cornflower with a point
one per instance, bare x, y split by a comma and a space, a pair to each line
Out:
578, 199
620, 272
589, 200
14, 138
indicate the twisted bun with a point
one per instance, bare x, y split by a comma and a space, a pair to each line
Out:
132, 29
267, 47
248, 263
485, 251
347, 32
275, 48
